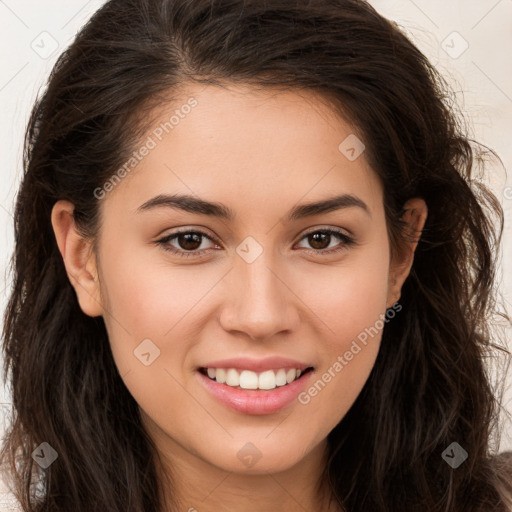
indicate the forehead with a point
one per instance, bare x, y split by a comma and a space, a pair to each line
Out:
248, 147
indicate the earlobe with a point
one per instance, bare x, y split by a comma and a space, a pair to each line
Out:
415, 216
78, 258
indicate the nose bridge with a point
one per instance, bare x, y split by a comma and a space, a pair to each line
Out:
259, 302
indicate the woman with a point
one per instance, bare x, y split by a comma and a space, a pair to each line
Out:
252, 271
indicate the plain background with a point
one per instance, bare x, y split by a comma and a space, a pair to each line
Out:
468, 41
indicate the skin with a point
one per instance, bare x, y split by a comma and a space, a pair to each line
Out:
259, 153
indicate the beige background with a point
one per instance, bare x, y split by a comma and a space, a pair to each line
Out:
468, 41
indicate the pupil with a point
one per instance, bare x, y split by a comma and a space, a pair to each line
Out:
189, 238
315, 239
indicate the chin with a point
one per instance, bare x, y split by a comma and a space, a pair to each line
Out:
259, 455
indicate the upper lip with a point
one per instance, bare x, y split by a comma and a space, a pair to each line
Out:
257, 365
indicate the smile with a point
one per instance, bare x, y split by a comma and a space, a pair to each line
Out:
247, 379
266, 388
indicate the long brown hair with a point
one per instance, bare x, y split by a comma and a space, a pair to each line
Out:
429, 386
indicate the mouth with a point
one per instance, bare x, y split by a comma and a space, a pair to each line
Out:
250, 380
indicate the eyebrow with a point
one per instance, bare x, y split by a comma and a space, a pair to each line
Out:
192, 204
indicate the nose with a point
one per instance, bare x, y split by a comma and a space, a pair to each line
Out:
259, 302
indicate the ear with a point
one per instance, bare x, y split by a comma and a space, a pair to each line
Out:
78, 257
415, 215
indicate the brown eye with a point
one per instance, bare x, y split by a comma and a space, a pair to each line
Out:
317, 240
185, 243
189, 241
320, 241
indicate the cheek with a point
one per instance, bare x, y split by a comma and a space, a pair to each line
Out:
352, 305
150, 307
145, 300
346, 298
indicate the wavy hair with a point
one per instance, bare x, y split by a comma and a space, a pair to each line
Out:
430, 385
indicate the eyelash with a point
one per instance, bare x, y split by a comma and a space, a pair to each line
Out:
164, 242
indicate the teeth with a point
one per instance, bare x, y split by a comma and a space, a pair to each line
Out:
281, 377
232, 378
219, 374
247, 379
267, 380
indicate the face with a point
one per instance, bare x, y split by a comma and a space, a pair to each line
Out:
191, 297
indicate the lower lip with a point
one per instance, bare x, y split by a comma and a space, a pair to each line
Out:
255, 401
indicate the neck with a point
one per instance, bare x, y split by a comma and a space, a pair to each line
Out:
192, 484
